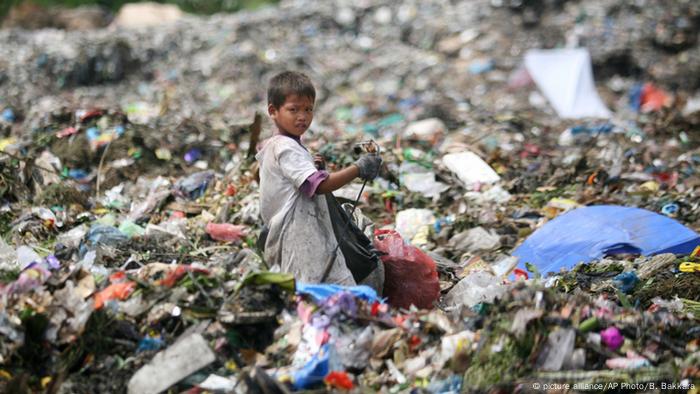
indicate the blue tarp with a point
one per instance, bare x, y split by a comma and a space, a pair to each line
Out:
590, 233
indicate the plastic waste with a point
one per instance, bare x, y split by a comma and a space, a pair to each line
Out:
26, 256
603, 230
417, 178
612, 338
193, 155
218, 383
475, 288
481, 66
626, 281
470, 169
429, 130
194, 185
493, 195
315, 370
115, 291
410, 275
650, 98
225, 231
476, 239
8, 115
338, 380
414, 224
8, 257
565, 77
321, 292
627, 363
670, 209
149, 343
186, 356
560, 348
105, 235
131, 229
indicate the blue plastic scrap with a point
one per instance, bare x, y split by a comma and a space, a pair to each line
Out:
314, 371
626, 281
322, 291
590, 233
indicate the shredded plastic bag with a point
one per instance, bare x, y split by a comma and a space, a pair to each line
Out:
411, 276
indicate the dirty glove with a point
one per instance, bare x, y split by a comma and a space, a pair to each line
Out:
369, 165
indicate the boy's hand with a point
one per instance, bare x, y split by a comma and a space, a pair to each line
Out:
319, 162
369, 165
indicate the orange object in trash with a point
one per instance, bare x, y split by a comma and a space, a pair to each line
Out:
175, 275
114, 291
338, 380
653, 98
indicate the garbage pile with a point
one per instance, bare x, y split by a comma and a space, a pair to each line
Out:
130, 208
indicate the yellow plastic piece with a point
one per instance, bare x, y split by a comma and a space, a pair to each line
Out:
687, 266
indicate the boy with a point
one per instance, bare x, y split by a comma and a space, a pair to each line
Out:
301, 239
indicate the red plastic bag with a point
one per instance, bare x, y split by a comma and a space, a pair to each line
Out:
410, 275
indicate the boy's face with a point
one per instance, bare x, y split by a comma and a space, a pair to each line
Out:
294, 116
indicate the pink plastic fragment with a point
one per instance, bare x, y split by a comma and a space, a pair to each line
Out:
225, 231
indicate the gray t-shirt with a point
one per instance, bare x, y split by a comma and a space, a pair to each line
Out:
301, 239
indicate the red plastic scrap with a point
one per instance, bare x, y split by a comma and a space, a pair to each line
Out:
519, 273
175, 275
669, 178
121, 291
414, 342
653, 98
339, 380
93, 113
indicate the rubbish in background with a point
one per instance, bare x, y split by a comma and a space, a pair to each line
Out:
187, 281
193, 186
142, 15
470, 169
415, 224
181, 359
420, 180
429, 130
593, 232
474, 289
225, 231
481, 66
321, 292
565, 77
647, 98
476, 239
626, 281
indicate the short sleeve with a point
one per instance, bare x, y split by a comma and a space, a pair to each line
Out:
295, 163
308, 188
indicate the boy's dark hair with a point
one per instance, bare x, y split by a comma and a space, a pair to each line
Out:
287, 83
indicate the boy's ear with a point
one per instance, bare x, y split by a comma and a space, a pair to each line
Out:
271, 110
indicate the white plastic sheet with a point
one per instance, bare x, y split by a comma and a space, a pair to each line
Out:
470, 169
565, 78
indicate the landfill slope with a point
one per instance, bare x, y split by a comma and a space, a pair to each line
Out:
129, 205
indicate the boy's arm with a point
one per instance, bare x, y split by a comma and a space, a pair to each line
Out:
338, 179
